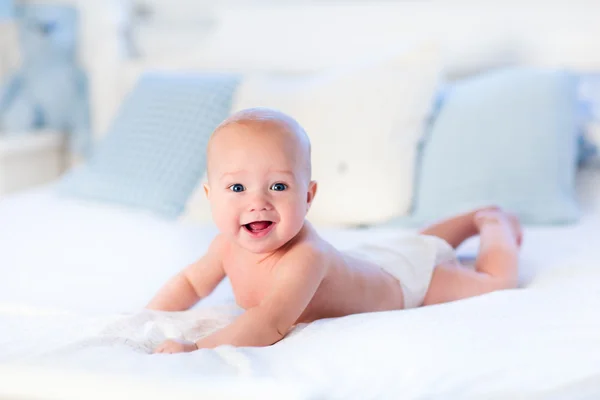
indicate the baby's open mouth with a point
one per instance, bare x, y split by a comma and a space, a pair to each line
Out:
258, 226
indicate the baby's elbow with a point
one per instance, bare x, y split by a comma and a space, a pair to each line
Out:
276, 336
276, 329
278, 332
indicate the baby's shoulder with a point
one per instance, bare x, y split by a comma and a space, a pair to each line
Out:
309, 246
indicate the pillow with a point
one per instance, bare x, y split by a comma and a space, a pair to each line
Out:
364, 123
154, 153
508, 137
587, 143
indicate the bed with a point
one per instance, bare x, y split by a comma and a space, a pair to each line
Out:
83, 316
76, 274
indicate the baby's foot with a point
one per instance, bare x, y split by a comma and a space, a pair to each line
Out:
497, 215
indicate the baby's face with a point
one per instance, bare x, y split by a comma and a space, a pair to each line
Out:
258, 185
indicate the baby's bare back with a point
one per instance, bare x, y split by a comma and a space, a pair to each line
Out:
349, 286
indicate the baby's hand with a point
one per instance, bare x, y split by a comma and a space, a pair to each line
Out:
170, 346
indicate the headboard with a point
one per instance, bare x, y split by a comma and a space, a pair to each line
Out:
122, 39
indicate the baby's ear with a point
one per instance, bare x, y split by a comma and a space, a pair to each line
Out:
206, 190
310, 196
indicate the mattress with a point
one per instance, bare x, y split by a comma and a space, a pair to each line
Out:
72, 269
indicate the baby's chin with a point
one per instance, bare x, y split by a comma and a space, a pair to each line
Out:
264, 247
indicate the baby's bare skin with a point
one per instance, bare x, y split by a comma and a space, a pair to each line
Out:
349, 285
282, 273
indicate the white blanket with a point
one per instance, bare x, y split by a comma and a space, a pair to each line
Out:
525, 342
39, 334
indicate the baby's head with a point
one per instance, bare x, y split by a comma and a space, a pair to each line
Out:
259, 178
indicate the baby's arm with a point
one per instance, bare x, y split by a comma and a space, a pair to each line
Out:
298, 278
193, 283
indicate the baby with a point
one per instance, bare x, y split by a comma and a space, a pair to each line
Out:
283, 273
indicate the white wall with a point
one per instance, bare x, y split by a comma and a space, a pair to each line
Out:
558, 33
9, 53
291, 36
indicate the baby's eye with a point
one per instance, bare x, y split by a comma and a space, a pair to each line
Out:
278, 187
237, 187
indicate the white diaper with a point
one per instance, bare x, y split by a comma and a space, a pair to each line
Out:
410, 259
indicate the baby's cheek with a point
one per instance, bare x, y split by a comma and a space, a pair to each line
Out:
296, 213
224, 218
301, 207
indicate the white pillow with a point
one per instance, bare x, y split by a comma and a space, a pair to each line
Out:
364, 123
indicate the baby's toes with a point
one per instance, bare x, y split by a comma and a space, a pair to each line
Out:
491, 207
498, 216
487, 215
517, 228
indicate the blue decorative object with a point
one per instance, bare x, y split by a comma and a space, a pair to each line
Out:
586, 150
154, 153
7, 10
507, 137
49, 91
589, 114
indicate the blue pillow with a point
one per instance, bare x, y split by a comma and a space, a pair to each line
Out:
507, 137
154, 153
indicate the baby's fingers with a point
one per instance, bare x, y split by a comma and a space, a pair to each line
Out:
160, 349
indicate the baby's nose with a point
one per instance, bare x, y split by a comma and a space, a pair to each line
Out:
260, 207
259, 203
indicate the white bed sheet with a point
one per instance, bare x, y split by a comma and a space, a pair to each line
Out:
68, 268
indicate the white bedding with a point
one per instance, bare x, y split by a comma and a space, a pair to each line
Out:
75, 276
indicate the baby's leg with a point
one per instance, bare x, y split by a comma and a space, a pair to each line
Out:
457, 229
496, 265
